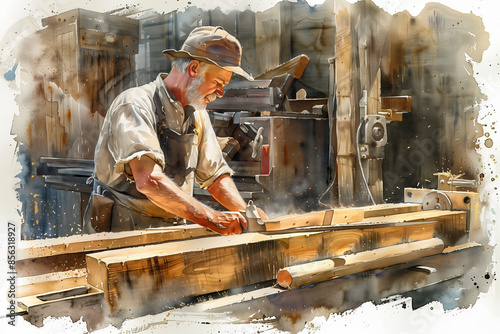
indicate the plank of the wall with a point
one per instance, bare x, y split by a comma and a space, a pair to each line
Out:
273, 36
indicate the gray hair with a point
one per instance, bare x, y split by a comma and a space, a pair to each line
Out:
181, 64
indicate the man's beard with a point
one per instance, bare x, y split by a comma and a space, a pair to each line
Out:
194, 97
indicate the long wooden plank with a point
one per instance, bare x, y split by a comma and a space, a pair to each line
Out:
410, 216
49, 264
39, 257
156, 275
295, 67
317, 218
390, 209
50, 282
318, 271
99, 241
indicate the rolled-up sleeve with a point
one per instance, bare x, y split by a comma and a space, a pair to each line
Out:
211, 162
133, 135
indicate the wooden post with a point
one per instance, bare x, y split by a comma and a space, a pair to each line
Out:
346, 109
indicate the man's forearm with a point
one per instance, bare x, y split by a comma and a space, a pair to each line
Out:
172, 199
225, 192
162, 191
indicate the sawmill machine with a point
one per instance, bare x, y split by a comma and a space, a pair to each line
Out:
278, 147
283, 150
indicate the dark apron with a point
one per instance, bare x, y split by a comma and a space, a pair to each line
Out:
121, 207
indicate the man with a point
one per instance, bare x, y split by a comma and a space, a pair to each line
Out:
157, 139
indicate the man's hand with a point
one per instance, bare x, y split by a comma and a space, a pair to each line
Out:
262, 214
226, 223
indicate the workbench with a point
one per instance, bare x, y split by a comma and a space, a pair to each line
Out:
109, 277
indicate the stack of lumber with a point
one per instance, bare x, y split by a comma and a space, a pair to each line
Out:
143, 272
158, 275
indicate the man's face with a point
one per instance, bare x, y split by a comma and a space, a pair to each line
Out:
208, 85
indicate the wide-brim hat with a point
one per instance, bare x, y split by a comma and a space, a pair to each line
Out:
214, 45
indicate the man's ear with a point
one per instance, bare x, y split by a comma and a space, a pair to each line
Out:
193, 69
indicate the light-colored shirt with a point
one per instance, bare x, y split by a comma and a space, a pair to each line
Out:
130, 131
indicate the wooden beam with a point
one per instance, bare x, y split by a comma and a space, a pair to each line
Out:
318, 218
39, 257
295, 67
33, 249
390, 209
50, 282
400, 104
318, 271
156, 275
347, 80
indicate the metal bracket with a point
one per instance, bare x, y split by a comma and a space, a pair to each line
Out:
437, 200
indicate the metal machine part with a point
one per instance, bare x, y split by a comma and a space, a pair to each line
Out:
374, 131
220, 120
256, 144
255, 223
372, 137
278, 162
448, 181
250, 139
467, 201
257, 95
436, 200
463, 183
292, 170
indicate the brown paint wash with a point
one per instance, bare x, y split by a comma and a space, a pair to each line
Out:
425, 57
421, 56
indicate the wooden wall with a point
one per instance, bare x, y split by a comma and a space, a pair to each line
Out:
80, 62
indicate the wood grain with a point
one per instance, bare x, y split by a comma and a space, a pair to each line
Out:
156, 275
318, 271
390, 209
33, 249
295, 67
317, 218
